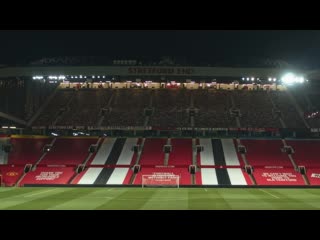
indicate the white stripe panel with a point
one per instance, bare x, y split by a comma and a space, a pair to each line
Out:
206, 156
236, 176
230, 154
90, 176
209, 176
126, 153
3, 154
104, 151
118, 176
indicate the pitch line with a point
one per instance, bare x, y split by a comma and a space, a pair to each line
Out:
206, 190
40, 192
269, 193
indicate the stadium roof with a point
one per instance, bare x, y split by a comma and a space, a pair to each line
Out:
182, 71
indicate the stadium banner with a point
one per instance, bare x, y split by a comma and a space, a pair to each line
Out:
279, 176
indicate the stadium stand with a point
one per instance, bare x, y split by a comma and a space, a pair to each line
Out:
255, 108
213, 108
277, 176
261, 153
181, 152
26, 149
68, 151
306, 152
152, 153
48, 175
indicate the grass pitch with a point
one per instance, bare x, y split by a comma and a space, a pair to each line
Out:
159, 198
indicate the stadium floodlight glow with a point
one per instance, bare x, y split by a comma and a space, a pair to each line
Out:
274, 79
76, 76
62, 77
300, 79
54, 134
269, 79
13, 127
288, 78
80, 76
93, 76
37, 77
248, 79
98, 76
243, 79
5, 127
71, 76
252, 79
103, 76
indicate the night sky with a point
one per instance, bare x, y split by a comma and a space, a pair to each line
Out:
301, 48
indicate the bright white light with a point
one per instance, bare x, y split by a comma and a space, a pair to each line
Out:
71, 76
80, 76
243, 79
75, 134
288, 78
248, 79
252, 79
76, 76
93, 76
269, 79
274, 79
37, 77
104, 77
4, 126
98, 76
54, 134
13, 127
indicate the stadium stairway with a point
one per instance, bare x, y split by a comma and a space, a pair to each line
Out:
92, 152
137, 162
4, 141
290, 154
167, 155
43, 154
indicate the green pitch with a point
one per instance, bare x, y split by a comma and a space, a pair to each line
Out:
158, 198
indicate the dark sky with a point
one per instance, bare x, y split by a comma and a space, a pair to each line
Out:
294, 46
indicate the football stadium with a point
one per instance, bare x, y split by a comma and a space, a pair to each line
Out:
130, 134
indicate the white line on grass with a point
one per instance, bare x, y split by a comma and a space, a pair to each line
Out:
206, 190
40, 192
109, 190
268, 193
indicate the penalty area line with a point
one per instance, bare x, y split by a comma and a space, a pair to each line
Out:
269, 193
